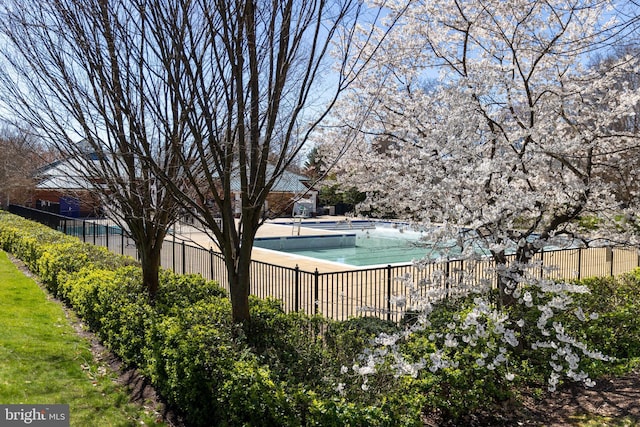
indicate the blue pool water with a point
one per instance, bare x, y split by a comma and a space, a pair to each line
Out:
374, 246
379, 243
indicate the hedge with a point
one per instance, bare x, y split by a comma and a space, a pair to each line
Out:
278, 370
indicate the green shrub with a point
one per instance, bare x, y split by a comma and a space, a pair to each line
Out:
280, 369
125, 315
307, 353
338, 412
81, 289
460, 387
27, 240
70, 257
50, 253
457, 392
250, 397
616, 329
178, 291
58, 258
188, 356
351, 336
114, 305
291, 344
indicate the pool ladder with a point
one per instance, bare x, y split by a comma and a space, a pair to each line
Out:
297, 220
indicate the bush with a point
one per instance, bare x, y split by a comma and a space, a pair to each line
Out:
81, 289
280, 369
249, 396
290, 344
69, 257
188, 356
353, 335
179, 291
402, 408
27, 240
616, 302
125, 315
50, 253
465, 387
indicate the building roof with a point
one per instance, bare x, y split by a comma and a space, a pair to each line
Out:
289, 182
70, 174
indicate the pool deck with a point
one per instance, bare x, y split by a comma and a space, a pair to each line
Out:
269, 229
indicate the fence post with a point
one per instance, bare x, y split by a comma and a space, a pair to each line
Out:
579, 263
173, 253
297, 290
447, 285
106, 229
388, 292
610, 251
84, 233
316, 301
211, 261
184, 259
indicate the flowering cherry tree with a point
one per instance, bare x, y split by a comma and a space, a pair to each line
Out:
487, 120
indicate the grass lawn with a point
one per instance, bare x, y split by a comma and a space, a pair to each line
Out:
44, 361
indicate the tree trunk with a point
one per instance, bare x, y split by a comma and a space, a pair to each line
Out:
150, 262
506, 287
510, 275
505, 282
237, 259
239, 282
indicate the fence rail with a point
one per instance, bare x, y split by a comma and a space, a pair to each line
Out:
343, 294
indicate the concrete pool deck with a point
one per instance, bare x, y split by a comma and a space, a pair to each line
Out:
271, 229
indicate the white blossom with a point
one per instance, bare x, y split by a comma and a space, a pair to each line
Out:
399, 300
386, 339
498, 140
510, 338
450, 341
553, 381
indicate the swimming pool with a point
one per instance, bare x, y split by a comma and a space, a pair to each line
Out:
374, 243
369, 243
371, 249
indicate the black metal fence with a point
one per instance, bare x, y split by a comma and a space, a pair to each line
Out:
340, 295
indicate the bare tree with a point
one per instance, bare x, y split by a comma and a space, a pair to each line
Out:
180, 99
88, 77
252, 86
20, 156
